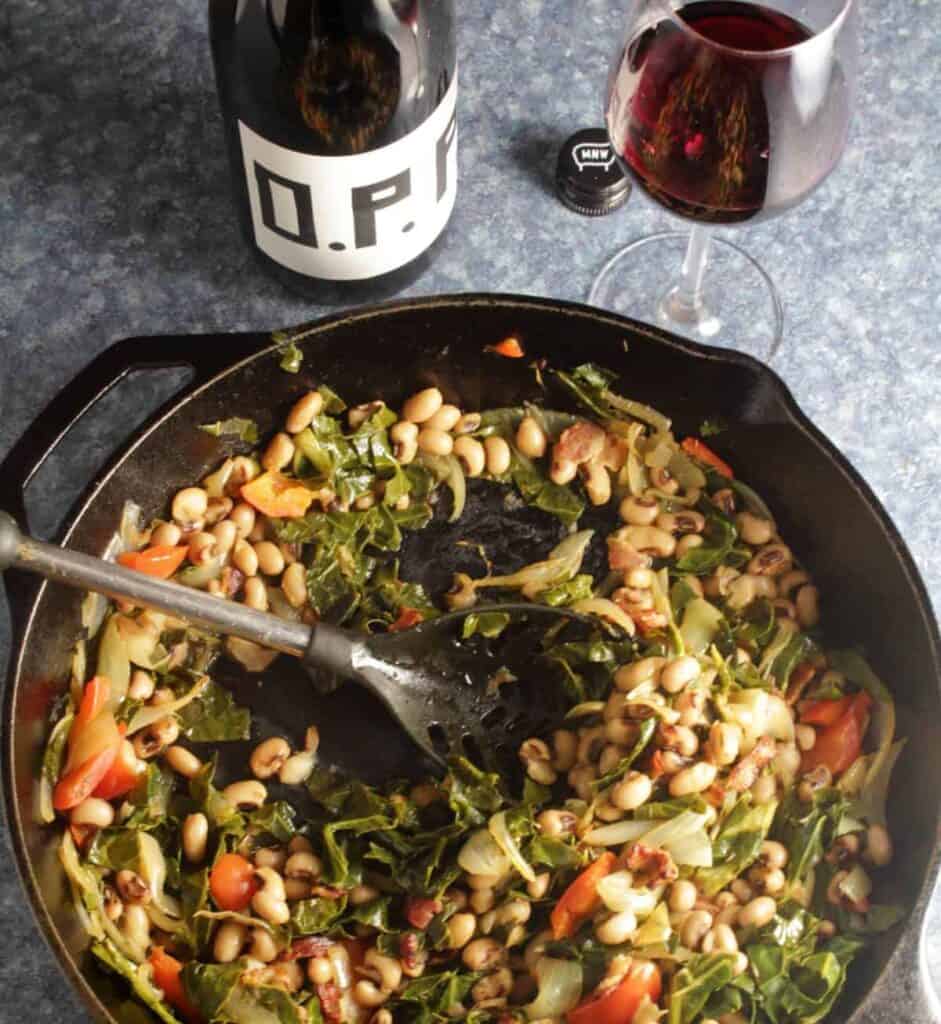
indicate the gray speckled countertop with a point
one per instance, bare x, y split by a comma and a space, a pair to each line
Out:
115, 220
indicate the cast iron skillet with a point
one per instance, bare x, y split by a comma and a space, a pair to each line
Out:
871, 589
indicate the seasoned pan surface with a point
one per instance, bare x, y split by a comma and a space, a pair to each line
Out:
871, 591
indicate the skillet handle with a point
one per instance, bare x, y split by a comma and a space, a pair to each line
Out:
205, 357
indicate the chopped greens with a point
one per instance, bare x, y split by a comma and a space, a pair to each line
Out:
675, 750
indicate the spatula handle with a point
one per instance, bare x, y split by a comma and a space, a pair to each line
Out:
196, 606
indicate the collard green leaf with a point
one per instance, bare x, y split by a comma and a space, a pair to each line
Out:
210, 801
105, 953
488, 624
737, 845
214, 717
579, 588
537, 490
548, 852
694, 983
808, 829
216, 991
719, 539
291, 357
645, 732
474, 794
236, 426
316, 916
274, 819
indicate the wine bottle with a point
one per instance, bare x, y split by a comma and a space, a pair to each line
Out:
340, 123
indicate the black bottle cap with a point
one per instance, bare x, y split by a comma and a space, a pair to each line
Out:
588, 177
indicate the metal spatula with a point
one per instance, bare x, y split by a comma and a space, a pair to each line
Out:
477, 698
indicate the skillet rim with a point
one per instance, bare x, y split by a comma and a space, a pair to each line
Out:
22, 621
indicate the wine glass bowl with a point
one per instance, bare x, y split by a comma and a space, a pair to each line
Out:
725, 112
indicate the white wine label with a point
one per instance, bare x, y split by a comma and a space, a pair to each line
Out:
348, 218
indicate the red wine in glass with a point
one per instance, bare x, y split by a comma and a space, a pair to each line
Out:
714, 123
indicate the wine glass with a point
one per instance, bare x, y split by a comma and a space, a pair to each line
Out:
724, 112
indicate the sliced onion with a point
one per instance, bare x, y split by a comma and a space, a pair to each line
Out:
665, 832
617, 833
141, 638
857, 885
760, 713
694, 851
588, 707
200, 576
563, 563
617, 893
231, 915
699, 626
153, 713
152, 867
501, 834
251, 656
215, 483
114, 662
447, 470
560, 988
638, 410
686, 473
606, 609
655, 930
342, 969
481, 855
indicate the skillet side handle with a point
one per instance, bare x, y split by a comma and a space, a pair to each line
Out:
206, 357
41, 438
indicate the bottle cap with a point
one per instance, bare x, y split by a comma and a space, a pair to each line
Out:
588, 177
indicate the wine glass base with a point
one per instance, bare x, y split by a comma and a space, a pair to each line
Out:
740, 307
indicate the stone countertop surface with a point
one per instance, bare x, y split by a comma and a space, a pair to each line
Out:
116, 220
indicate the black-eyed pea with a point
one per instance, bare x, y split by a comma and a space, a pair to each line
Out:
268, 756
807, 606
469, 423
435, 442
294, 585
754, 530
695, 927
422, 405
270, 901
580, 778
531, 438
597, 483
255, 594
765, 789
387, 968
629, 676
539, 886
616, 929
742, 590
771, 560
194, 836
247, 794
481, 901
790, 581
244, 558
141, 686
166, 535
154, 739
470, 453
562, 471
694, 779
230, 939
687, 543
497, 455
297, 769
683, 896
368, 995
632, 791
719, 939
493, 989
610, 758
189, 507
477, 882
271, 857
404, 433
303, 412
320, 970
217, 509
650, 540
757, 913
303, 864
878, 851
606, 811
263, 947
483, 954
358, 415
92, 812
446, 418
279, 453
269, 557
460, 929
557, 823
202, 548
243, 516
182, 761
725, 740
678, 673
639, 511
225, 535
741, 890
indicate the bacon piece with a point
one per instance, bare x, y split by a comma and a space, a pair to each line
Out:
419, 912
581, 442
799, 681
614, 454
329, 997
650, 865
746, 772
622, 555
308, 946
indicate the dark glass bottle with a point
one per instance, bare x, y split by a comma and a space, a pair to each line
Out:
339, 120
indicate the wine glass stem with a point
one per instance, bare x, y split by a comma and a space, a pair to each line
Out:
683, 301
